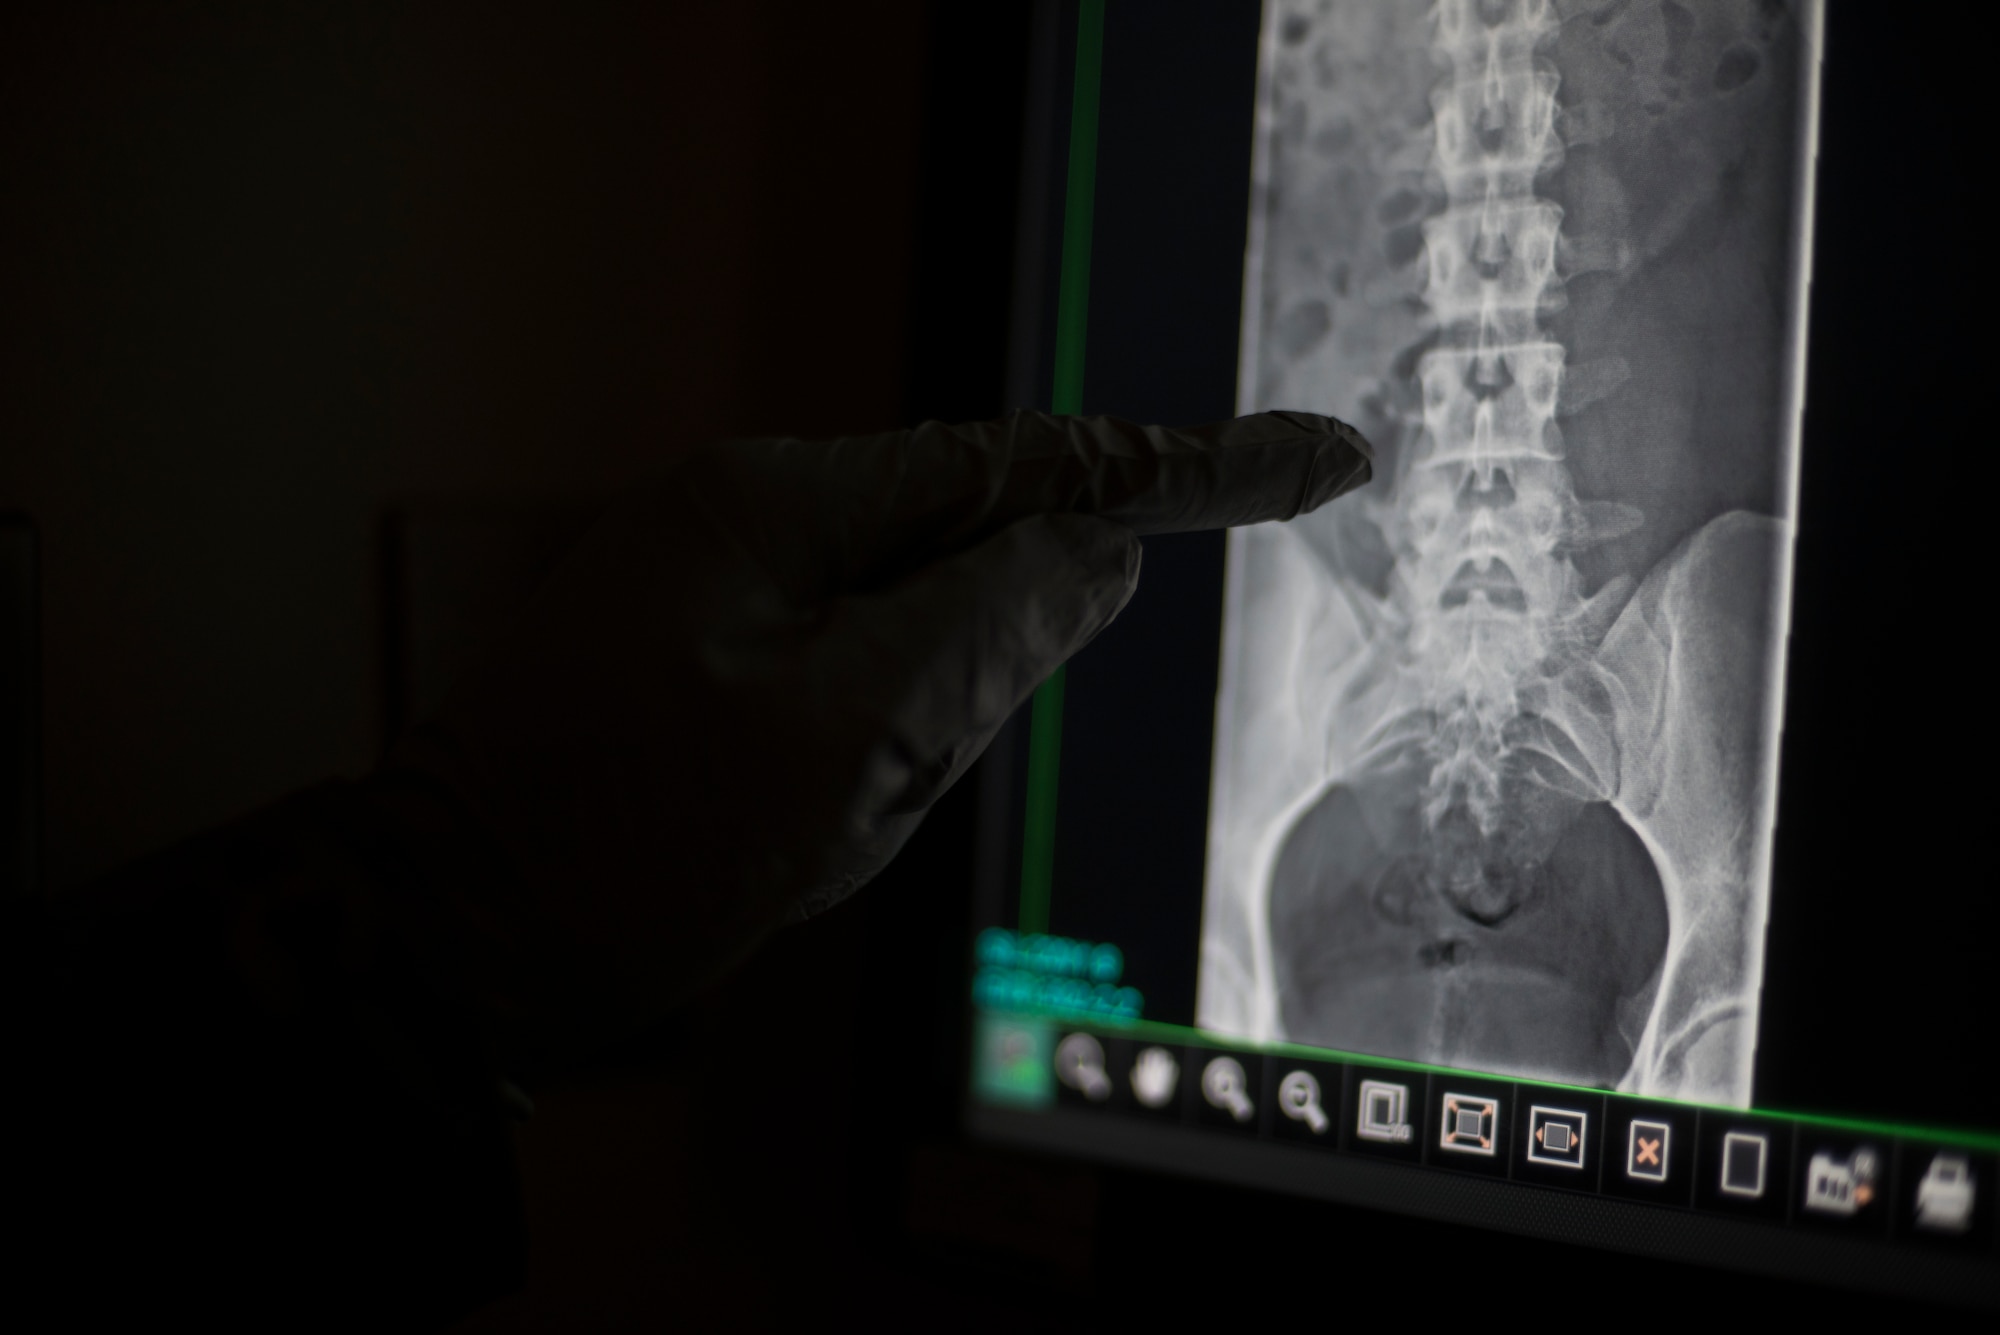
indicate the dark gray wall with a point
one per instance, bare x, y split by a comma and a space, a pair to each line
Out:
267, 270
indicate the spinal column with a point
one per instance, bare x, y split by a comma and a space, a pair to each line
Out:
1489, 513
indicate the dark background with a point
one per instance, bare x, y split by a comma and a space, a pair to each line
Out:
289, 290
311, 312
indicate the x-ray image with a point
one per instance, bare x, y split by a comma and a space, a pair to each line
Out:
1496, 738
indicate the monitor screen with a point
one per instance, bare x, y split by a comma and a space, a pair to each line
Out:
1472, 835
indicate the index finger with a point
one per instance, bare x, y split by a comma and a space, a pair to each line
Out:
1156, 479
861, 507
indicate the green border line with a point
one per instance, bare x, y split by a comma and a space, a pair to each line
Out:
1160, 1031
1073, 293
1038, 837
1038, 833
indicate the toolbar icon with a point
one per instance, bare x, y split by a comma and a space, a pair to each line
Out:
1646, 1150
1945, 1194
1012, 1067
1384, 1113
1744, 1156
1555, 1136
1223, 1085
1298, 1099
1470, 1124
1080, 1065
1841, 1186
1155, 1076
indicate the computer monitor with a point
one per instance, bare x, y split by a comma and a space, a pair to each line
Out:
1539, 838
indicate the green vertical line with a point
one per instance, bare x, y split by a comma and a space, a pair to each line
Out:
1073, 293
1038, 836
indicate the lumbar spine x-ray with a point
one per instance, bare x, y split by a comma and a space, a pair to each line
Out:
1496, 739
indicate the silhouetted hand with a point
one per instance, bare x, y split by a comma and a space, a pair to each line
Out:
735, 701
727, 710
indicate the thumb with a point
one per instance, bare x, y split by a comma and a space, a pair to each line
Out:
938, 662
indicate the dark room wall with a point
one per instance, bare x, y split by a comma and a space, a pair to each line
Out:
320, 323
269, 270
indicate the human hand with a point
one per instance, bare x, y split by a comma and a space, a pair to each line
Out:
734, 702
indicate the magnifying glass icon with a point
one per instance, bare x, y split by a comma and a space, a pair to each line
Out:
1080, 1065
1298, 1099
1222, 1084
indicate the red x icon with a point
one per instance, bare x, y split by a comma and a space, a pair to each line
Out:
1646, 1156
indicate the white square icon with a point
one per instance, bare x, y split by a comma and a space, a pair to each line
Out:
1556, 1136
1646, 1150
1384, 1112
1470, 1125
1743, 1156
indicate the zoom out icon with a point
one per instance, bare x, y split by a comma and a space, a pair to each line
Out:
1298, 1099
1224, 1085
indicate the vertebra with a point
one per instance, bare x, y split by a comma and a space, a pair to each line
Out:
1487, 594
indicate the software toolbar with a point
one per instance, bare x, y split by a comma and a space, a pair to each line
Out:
1793, 1172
